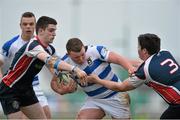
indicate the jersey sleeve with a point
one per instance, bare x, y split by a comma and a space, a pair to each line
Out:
103, 52
35, 51
5, 50
2, 57
52, 51
4, 54
65, 57
135, 81
139, 77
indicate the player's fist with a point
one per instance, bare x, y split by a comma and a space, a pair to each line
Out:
81, 75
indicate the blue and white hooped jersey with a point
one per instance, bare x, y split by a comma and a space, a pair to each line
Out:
9, 50
162, 73
96, 63
25, 65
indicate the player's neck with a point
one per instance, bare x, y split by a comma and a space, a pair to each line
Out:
25, 38
146, 57
42, 42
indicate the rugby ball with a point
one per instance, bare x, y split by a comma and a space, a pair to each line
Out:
64, 77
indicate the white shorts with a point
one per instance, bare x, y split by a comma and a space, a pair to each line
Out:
117, 106
40, 95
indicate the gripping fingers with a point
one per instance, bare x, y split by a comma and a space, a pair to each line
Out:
83, 78
81, 75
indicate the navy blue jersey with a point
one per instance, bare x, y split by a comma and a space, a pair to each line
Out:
9, 50
25, 65
161, 72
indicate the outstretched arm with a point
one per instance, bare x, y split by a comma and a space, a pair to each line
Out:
58, 64
120, 60
136, 63
126, 85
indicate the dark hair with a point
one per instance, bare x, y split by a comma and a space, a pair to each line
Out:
28, 15
43, 22
74, 44
150, 42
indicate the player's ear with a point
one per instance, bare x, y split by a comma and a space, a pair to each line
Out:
40, 30
20, 24
145, 51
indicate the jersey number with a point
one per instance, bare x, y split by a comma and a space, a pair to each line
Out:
171, 64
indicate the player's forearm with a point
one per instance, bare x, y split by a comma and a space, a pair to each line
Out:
58, 64
125, 63
65, 66
54, 62
116, 86
136, 63
120, 60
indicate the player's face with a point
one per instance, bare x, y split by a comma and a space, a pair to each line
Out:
142, 53
27, 26
49, 33
139, 51
78, 57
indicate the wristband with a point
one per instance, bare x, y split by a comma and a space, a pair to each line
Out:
47, 60
73, 68
56, 64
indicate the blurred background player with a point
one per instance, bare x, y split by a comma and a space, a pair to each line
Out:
27, 25
160, 71
100, 100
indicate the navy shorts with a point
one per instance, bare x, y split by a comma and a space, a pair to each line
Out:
12, 99
172, 112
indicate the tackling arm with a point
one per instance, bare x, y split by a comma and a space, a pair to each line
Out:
116, 86
58, 64
136, 63
120, 60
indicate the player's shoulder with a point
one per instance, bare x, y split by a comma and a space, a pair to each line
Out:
140, 71
51, 49
163, 54
164, 51
33, 43
8, 43
99, 51
95, 48
91, 50
65, 57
